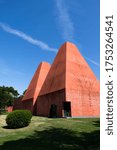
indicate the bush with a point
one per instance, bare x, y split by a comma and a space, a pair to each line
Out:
18, 118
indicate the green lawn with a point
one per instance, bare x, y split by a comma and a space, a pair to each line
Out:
52, 134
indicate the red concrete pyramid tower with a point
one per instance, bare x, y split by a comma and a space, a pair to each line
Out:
70, 88
56, 77
30, 97
82, 87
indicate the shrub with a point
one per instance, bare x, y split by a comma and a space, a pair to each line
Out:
18, 118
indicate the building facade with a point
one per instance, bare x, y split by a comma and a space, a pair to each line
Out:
67, 88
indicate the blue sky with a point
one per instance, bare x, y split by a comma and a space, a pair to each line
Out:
32, 31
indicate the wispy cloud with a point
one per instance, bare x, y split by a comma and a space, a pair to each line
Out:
67, 25
65, 21
27, 38
92, 61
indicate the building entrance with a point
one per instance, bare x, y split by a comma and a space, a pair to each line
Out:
53, 111
67, 109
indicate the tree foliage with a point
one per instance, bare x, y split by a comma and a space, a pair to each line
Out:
7, 96
24, 92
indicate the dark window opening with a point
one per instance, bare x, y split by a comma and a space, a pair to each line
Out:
67, 109
53, 111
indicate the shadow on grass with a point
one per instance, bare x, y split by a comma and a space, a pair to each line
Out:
7, 127
56, 139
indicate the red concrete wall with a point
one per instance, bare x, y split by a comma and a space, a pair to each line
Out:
69, 79
28, 105
84, 104
70, 71
18, 104
55, 79
30, 97
82, 87
44, 103
9, 109
37, 82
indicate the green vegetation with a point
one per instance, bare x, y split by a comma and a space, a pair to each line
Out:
18, 119
24, 92
52, 134
7, 96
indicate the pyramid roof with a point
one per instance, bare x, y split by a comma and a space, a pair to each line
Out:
56, 76
37, 82
69, 71
79, 75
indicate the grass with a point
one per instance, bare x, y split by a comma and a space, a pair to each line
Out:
52, 134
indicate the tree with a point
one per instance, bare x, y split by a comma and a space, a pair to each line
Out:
3, 96
12, 91
7, 96
24, 92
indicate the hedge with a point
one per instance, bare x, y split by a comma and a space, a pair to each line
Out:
18, 118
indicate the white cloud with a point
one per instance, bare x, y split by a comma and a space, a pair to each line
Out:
92, 61
28, 38
68, 26
65, 22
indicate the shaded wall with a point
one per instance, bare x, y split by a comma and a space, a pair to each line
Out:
28, 104
44, 103
18, 104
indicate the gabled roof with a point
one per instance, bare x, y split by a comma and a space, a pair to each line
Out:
37, 82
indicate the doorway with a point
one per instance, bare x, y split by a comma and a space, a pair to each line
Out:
67, 109
53, 111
